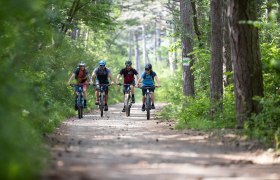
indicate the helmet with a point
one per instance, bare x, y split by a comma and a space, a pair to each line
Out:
102, 63
128, 63
150, 65
82, 64
147, 67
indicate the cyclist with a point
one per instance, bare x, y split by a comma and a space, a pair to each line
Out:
81, 74
128, 74
101, 75
147, 79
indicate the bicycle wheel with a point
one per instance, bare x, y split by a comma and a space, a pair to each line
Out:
148, 105
127, 105
80, 106
101, 104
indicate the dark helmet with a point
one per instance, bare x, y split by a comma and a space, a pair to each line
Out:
147, 67
150, 65
128, 63
82, 64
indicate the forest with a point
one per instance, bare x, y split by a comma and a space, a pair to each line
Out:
218, 62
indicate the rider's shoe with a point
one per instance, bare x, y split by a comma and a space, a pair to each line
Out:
153, 106
96, 102
132, 99
143, 107
106, 108
123, 110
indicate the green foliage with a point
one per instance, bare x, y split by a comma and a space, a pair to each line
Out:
265, 126
36, 62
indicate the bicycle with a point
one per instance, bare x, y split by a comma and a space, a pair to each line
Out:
148, 99
101, 98
79, 101
127, 98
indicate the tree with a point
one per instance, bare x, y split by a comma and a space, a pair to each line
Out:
216, 80
226, 44
187, 45
245, 53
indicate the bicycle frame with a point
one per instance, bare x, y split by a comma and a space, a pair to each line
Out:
101, 97
148, 100
80, 102
127, 99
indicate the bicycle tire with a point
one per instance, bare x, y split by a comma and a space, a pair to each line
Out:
80, 112
148, 105
80, 106
101, 104
127, 106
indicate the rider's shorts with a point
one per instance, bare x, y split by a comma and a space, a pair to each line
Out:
84, 86
152, 89
126, 86
105, 88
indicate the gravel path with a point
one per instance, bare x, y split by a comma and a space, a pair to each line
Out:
117, 147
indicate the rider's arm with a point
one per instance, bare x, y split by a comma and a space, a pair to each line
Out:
93, 76
70, 79
157, 80
137, 77
111, 79
139, 81
118, 78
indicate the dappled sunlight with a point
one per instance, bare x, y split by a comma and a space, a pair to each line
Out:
116, 146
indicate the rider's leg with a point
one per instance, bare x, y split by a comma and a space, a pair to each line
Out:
143, 99
85, 97
106, 100
153, 100
152, 97
132, 94
96, 97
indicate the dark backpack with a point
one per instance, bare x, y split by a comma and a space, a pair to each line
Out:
77, 73
152, 74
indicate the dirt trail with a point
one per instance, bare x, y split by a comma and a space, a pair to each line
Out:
116, 147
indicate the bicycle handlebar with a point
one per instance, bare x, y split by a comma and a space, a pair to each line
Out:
102, 84
79, 84
148, 87
125, 84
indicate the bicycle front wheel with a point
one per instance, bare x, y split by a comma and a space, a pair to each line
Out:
148, 106
80, 106
80, 112
127, 105
101, 104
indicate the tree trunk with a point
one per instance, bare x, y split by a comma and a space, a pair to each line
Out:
130, 45
158, 42
172, 55
245, 54
195, 22
216, 68
70, 16
136, 52
227, 56
145, 59
155, 42
187, 45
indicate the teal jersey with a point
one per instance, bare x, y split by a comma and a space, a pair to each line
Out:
148, 79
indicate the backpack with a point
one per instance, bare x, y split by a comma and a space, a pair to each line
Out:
152, 74
106, 71
77, 72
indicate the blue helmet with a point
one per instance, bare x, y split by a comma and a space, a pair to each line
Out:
102, 63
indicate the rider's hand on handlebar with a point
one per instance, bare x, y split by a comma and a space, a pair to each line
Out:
112, 82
